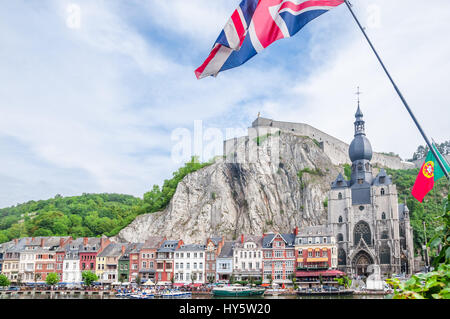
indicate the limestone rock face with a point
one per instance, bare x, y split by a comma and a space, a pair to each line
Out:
263, 195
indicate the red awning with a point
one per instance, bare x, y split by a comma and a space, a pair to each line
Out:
265, 285
178, 285
324, 273
197, 285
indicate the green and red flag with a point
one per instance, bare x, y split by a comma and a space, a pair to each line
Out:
428, 174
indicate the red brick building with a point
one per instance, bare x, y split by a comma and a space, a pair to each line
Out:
278, 258
213, 248
165, 261
89, 251
147, 257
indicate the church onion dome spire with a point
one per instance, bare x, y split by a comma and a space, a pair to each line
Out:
360, 148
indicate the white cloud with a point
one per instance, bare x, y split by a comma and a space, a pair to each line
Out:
92, 109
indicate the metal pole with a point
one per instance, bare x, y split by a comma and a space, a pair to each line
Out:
426, 248
398, 92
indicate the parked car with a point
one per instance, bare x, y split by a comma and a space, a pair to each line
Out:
13, 288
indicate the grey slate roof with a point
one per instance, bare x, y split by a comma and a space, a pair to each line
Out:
247, 238
320, 230
340, 182
379, 178
191, 247
402, 209
112, 250
168, 246
288, 238
227, 250
153, 242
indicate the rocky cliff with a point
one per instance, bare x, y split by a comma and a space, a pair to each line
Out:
251, 197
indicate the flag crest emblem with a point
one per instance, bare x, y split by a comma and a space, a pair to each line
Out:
428, 169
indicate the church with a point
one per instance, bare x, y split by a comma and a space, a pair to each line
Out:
370, 226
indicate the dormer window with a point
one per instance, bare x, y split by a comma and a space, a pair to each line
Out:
382, 179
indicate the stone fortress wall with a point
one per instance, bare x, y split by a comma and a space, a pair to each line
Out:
335, 149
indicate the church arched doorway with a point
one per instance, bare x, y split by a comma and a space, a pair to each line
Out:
361, 262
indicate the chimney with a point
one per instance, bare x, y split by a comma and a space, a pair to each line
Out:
42, 242
15, 240
296, 230
85, 241
61, 242
123, 249
242, 238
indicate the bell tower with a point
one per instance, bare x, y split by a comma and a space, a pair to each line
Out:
360, 152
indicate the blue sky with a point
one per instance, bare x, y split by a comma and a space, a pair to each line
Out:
93, 109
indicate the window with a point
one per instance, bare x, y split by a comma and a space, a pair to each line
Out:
300, 252
382, 191
310, 240
340, 219
310, 254
383, 215
324, 240
340, 237
317, 240
317, 253
340, 196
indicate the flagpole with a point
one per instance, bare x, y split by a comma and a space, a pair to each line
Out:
347, 2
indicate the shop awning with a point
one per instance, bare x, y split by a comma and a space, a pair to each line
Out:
316, 259
317, 273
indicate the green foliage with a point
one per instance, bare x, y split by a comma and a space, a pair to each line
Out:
88, 277
4, 281
316, 171
347, 171
435, 284
432, 285
52, 279
158, 199
344, 281
429, 211
442, 241
78, 216
325, 202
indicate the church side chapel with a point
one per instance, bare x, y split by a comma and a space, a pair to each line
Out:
369, 224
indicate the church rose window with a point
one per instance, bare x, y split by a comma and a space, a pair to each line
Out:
362, 230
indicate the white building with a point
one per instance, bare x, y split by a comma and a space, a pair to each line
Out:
71, 263
247, 258
189, 264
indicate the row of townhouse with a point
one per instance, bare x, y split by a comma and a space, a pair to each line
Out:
272, 257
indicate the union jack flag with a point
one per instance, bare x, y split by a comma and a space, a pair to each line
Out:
255, 25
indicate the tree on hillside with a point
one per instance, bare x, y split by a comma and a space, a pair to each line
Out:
422, 150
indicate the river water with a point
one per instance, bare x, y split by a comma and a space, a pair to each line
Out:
58, 296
